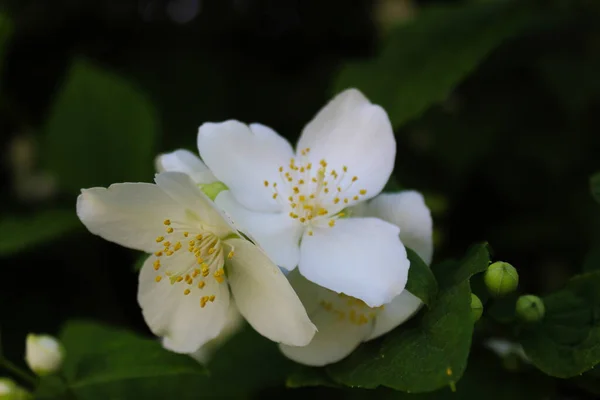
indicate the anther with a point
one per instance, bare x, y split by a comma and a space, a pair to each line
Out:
158, 278
201, 284
362, 192
160, 239
186, 292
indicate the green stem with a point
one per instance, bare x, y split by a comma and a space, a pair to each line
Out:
18, 371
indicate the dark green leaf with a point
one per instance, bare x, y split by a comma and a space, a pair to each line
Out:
103, 363
100, 130
592, 259
309, 376
139, 262
595, 186
421, 281
424, 60
420, 356
566, 342
19, 233
452, 272
429, 351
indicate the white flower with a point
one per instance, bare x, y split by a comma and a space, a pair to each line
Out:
197, 258
344, 322
292, 203
43, 354
187, 162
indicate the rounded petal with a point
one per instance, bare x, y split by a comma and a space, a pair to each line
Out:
408, 211
335, 339
277, 234
264, 296
179, 318
350, 131
187, 162
361, 257
243, 158
404, 306
197, 205
130, 214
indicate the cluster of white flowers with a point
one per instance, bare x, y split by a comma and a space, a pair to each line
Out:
316, 211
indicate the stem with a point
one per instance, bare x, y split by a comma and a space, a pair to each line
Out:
18, 371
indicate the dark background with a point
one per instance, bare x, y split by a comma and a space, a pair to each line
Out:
505, 158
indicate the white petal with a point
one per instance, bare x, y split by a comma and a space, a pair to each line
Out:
361, 257
130, 214
350, 131
187, 162
404, 306
336, 338
199, 208
277, 234
264, 296
243, 158
179, 318
407, 210
234, 323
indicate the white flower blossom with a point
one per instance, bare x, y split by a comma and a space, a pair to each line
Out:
43, 354
197, 260
293, 203
343, 322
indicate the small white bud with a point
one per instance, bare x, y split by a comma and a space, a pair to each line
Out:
9, 390
43, 354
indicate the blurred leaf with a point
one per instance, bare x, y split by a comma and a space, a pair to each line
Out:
108, 363
430, 351
100, 130
19, 233
566, 342
595, 186
305, 376
139, 262
423, 60
592, 259
421, 281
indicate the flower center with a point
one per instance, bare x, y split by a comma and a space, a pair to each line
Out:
315, 195
204, 258
350, 308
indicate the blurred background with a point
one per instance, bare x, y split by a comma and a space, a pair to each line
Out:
496, 106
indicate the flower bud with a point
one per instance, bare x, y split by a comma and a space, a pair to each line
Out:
43, 354
501, 278
476, 307
9, 390
530, 308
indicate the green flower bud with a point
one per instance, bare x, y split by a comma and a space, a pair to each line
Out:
43, 354
476, 307
212, 190
530, 308
9, 390
501, 278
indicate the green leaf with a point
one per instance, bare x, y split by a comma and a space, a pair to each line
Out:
429, 351
592, 259
245, 364
100, 131
476, 260
309, 376
595, 186
421, 281
416, 357
424, 60
566, 342
139, 262
103, 362
19, 233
